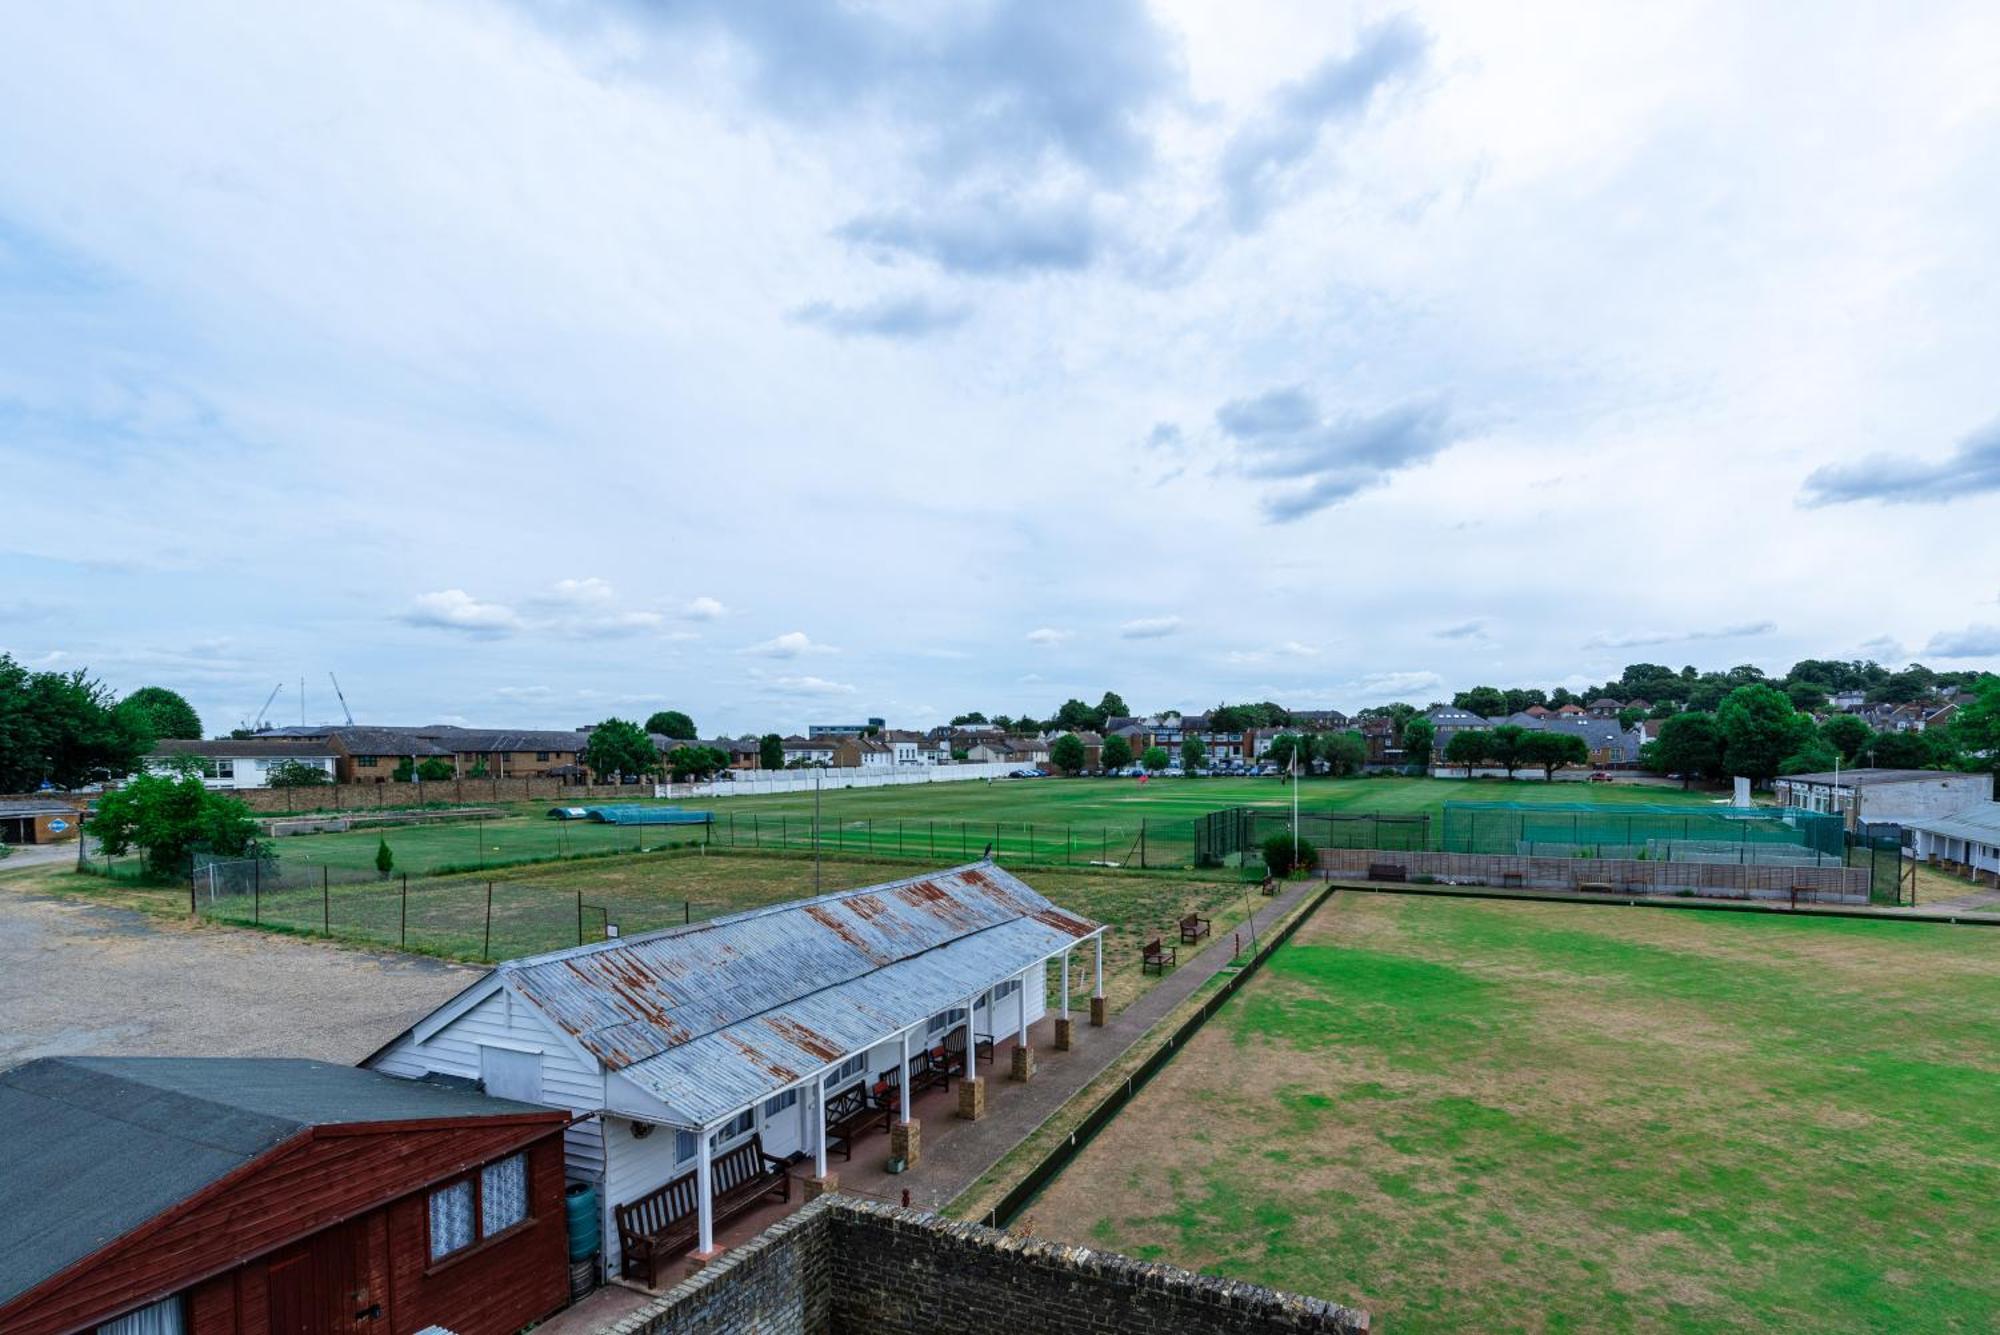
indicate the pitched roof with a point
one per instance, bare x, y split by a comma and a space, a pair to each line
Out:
713, 1017
249, 746
96, 1146
1864, 777
1980, 824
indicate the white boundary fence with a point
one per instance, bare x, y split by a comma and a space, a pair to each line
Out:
760, 783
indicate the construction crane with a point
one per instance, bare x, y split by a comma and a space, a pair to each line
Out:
257, 725
342, 698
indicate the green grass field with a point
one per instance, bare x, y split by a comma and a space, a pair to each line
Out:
1469, 1115
1047, 821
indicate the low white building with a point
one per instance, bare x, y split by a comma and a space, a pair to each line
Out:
247, 763
1967, 841
746, 1026
1892, 796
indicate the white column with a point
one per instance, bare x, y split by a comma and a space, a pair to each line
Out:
903, 1080
1065, 985
1021, 1011
1099, 941
971, 1053
704, 1191
819, 1126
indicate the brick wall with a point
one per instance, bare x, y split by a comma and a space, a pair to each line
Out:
1650, 876
841, 1265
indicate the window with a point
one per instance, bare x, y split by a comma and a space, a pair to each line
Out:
1006, 989
367, 762
506, 757
225, 769
480, 1205
541, 755
853, 1066
166, 1317
739, 1125
945, 1020
684, 1146
774, 1106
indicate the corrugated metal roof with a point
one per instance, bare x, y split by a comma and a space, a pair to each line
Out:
713, 1017
1980, 824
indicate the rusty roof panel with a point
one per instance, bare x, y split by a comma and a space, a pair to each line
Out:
714, 1016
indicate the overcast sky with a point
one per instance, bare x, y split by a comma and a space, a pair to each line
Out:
528, 363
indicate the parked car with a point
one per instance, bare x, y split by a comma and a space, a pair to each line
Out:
1600, 776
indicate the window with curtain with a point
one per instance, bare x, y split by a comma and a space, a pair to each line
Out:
166, 1317
451, 1219
503, 1194
685, 1143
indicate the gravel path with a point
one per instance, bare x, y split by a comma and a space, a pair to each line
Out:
81, 978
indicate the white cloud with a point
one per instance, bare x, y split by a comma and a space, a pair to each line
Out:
524, 694
1381, 687
1644, 638
1976, 641
1048, 637
580, 592
1149, 628
808, 685
791, 644
704, 609
455, 609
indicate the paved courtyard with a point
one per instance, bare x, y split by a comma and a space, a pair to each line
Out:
82, 978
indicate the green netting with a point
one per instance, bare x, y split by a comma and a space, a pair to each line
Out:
1745, 835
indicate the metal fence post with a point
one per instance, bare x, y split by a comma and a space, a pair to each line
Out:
1142, 843
192, 910
257, 900
325, 900
579, 917
403, 927
486, 946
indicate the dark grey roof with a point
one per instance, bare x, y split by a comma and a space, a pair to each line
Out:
250, 746
36, 807
96, 1146
1861, 778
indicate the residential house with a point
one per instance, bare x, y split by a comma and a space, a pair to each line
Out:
1847, 702
213, 1196
245, 763
1010, 750
1449, 721
809, 751
365, 754
1378, 733
1604, 707
748, 1029
1222, 745
862, 752
1570, 711
916, 748
1314, 720
1891, 796
844, 729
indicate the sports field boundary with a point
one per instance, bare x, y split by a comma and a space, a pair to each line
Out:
1045, 1170
1614, 899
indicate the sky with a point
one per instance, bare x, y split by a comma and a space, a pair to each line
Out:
526, 364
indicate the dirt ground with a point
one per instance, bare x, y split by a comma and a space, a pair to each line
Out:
1467, 1115
83, 978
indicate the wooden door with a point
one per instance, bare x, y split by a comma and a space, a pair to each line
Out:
324, 1285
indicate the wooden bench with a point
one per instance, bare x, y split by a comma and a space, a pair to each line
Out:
665, 1222
1269, 886
849, 1113
1512, 880
1158, 957
954, 1050
1597, 887
1387, 871
924, 1074
1194, 927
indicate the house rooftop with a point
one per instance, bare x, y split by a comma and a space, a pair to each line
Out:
1862, 778
248, 746
96, 1146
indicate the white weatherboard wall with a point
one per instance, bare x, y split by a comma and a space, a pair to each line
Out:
757, 783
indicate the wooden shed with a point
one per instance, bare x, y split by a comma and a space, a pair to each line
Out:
247, 1196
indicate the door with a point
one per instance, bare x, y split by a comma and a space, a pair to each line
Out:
323, 1286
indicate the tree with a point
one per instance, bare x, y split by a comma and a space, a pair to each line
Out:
1284, 854
1504, 745
1552, 750
1419, 740
434, 769
1814, 756
1155, 759
1976, 730
1905, 750
296, 774
172, 817
1759, 728
1067, 754
385, 861
771, 751
672, 723
1283, 747
1342, 753
1629, 718
620, 747
167, 713
405, 771
1117, 753
1467, 747
1194, 754
1689, 746
1112, 706
1486, 701
1847, 735
65, 729
963, 719
1076, 716
696, 764
1806, 696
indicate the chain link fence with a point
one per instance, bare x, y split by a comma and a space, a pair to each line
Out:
1150, 845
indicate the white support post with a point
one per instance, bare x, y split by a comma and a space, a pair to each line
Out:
1099, 941
903, 1078
971, 1052
1021, 1010
1065, 985
704, 1191
819, 1126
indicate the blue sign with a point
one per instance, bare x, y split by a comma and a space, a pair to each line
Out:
58, 825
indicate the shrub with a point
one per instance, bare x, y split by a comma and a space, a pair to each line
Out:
1278, 857
385, 861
